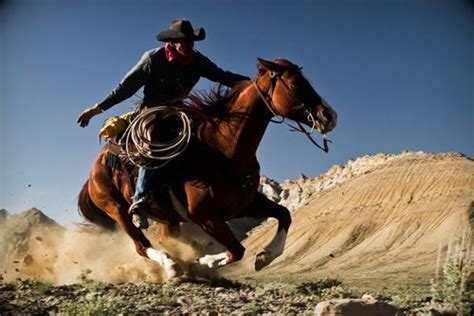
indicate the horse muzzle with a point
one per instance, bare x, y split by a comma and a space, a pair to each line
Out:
326, 118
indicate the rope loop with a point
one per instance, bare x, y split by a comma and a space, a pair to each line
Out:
142, 151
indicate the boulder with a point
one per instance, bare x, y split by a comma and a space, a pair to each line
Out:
355, 307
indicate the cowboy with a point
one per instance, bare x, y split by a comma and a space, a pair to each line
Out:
166, 74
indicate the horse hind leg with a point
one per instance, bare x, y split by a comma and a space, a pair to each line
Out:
263, 207
221, 232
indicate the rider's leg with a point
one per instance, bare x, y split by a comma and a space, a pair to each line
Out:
139, 206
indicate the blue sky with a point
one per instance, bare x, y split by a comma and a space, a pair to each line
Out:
399, 74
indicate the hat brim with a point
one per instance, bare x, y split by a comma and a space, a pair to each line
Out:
170, 35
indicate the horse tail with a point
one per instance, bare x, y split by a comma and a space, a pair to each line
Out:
91, 212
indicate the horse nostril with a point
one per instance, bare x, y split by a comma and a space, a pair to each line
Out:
323, 115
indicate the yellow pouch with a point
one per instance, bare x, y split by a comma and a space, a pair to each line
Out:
115, 125
128, 116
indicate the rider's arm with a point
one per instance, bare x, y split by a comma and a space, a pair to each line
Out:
210, 71
130, 84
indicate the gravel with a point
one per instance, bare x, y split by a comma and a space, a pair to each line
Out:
206, 297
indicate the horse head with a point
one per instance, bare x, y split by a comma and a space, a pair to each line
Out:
292, 95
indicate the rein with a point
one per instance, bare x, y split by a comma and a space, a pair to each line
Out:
275, 76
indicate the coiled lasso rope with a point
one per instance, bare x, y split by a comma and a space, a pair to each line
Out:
143, 152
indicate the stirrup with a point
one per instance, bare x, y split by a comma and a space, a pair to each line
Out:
139, 215
137, 206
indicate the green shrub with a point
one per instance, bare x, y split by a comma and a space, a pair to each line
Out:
271, 288
317, 287
41, 287
335, 292
167, 297
456, 288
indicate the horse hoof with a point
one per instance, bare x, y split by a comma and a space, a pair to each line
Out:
214, 261
260, 261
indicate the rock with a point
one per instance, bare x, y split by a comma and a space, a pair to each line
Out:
183, 301
91, 296
28, 260
355, 307
367, 297
270, 188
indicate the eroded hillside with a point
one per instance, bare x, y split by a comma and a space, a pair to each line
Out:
391, 222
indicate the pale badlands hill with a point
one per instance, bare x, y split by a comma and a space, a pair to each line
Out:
381, 220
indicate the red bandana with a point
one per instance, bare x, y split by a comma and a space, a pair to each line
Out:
174, 57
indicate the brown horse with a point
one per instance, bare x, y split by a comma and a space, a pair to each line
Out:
217, 177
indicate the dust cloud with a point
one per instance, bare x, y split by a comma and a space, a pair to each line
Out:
54, 254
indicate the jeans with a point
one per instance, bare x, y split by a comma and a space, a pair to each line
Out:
144, 182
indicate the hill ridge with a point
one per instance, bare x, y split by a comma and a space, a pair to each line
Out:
295, 193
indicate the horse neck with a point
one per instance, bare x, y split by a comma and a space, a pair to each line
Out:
239, 136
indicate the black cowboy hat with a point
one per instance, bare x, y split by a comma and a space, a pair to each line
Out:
181, 30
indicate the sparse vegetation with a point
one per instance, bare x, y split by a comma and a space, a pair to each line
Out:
271, 288
455, 290
317, 287
335, 292
167, 297
256, 307
41, 287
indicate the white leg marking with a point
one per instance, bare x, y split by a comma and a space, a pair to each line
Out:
214, 261
172, 268
271, 251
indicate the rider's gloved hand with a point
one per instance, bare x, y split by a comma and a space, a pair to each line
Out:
85, 117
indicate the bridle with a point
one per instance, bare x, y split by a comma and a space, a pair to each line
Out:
274, 77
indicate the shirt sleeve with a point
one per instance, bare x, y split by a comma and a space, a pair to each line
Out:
212, 72
130, 84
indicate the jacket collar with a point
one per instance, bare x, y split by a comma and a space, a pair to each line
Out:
174, 57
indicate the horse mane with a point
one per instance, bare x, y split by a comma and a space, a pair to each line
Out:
214, 104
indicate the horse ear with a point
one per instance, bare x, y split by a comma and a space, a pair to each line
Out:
269, 65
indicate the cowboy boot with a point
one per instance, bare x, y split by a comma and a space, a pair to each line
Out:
138, 210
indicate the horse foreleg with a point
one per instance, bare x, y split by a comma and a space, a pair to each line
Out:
263, 207
119, 213
221, 232
145, 248
143, 245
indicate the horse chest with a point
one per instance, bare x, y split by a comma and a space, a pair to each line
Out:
223, 197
